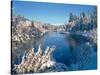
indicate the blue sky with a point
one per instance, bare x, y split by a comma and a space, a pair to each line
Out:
53, 13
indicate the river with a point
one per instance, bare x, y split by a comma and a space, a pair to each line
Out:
67, 48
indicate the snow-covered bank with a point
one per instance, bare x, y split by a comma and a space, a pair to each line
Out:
90, 34
24, 30
38, 62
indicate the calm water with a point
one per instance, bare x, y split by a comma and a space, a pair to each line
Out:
62, 51
66, 50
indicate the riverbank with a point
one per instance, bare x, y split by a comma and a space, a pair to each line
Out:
38, 62
92, 34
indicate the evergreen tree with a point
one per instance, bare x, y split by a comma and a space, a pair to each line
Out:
71, 17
